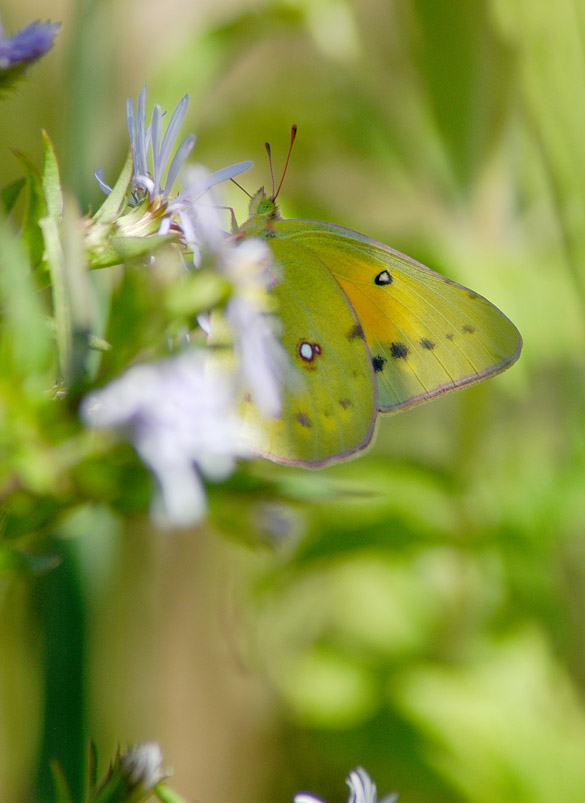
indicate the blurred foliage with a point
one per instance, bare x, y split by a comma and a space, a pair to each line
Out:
419, 611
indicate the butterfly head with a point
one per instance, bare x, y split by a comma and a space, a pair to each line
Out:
264, 206
264, 212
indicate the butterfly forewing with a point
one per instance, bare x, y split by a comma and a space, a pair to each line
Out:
329, 394
426, 334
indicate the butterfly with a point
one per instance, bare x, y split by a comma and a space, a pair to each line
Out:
367, 330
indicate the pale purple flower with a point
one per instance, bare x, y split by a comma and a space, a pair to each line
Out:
155, 172
142, 765
250, 312
145, 139
26, 45
249, 266
133, 775
361, 790
181, 420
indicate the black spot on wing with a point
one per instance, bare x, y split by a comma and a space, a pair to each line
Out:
468, 329
345, 403
304, 420
378, 363
427, 344
449, 335
399, 351
384, 277
356, 331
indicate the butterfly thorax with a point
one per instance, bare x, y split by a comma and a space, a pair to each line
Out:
263, 213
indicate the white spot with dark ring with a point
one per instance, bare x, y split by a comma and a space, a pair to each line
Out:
308, 351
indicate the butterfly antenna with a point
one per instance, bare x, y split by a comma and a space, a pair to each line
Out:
293, 133
240, 186
269, 152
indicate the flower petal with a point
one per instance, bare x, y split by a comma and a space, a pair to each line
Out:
179, 159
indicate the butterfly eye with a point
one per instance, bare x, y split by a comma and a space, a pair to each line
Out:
265, 207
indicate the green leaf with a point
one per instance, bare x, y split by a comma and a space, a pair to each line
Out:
9, 194
35, 209
52, 181
92, 771
25, 347
72, 292
166, 795
56, 260
469, 82
127, 249
62, 793
98, 343
10, 76
130, 248
137, 322
115, 201
199, 292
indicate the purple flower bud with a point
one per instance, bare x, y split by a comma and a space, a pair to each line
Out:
24, 47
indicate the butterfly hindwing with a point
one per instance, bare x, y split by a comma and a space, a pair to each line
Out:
329, 393
426, 334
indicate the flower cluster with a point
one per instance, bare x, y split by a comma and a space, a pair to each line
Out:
170, 397
180, 416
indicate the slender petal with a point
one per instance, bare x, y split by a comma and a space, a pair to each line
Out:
196, 190
141, 154
179, 159
100, 180
158, 163
172, 132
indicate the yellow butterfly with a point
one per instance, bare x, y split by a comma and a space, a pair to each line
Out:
368, 330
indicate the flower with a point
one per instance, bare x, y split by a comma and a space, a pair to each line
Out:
250, 311
27, 45
23, 48
133, 775
142, 138
181, 415
261, 356
142, 765
152, 165
182, 422
249, 267
361, 790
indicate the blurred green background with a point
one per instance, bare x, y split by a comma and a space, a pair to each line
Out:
419, 611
